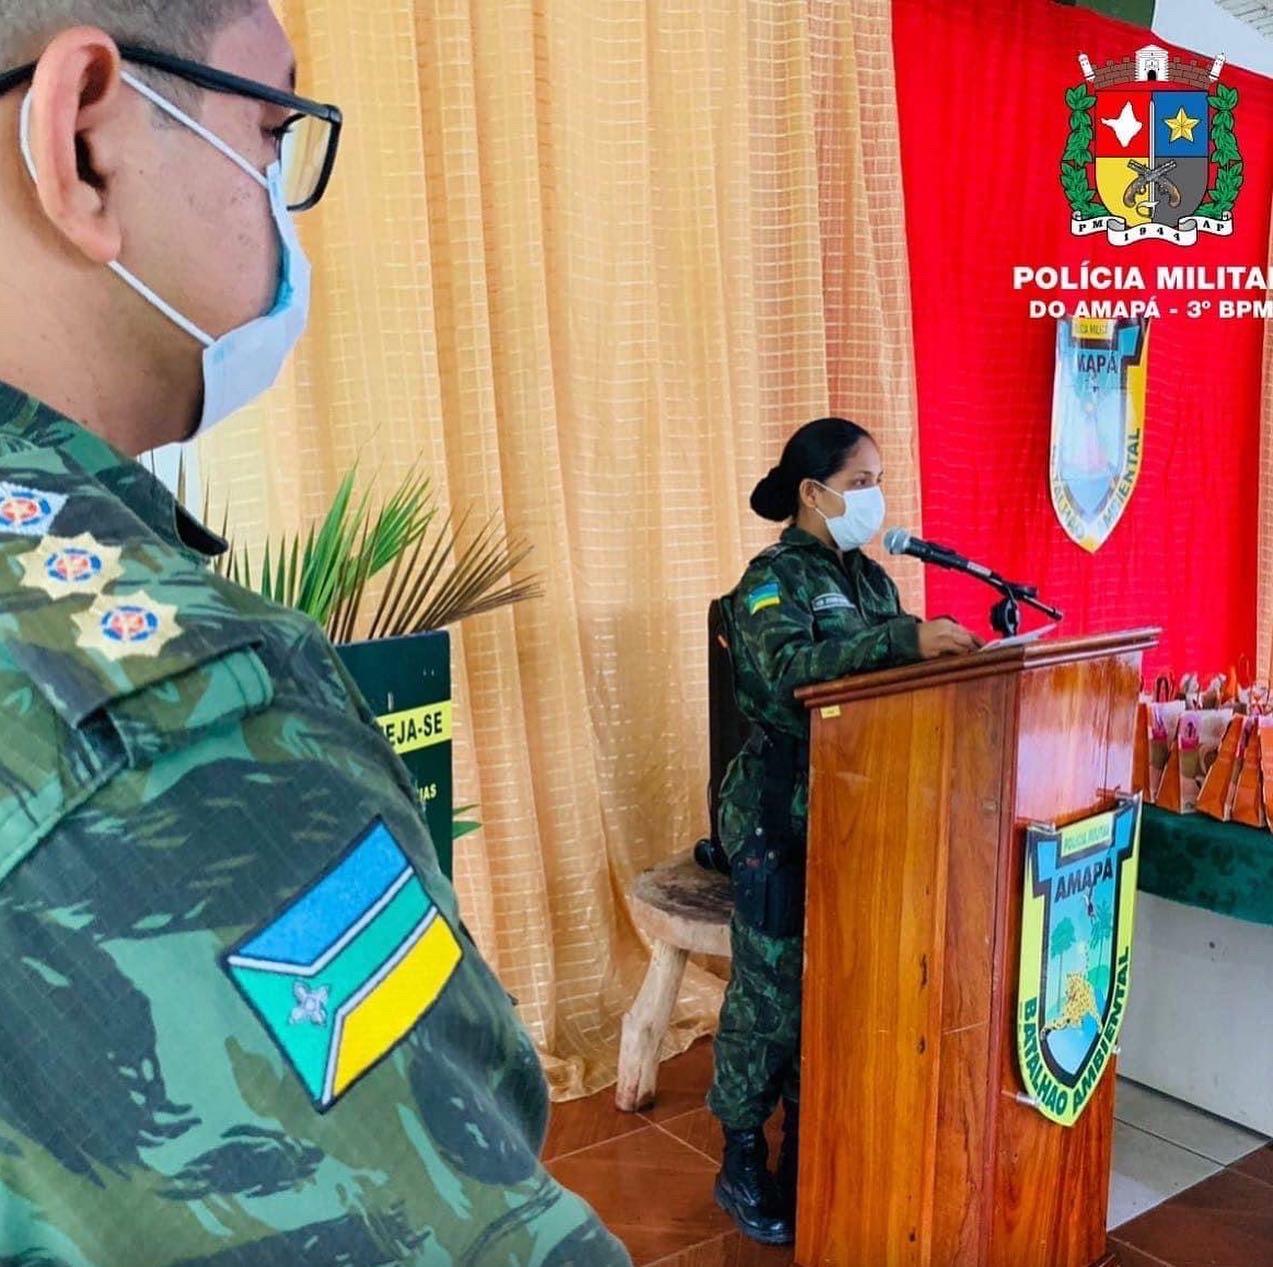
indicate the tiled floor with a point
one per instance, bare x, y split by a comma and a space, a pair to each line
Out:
1189, 1190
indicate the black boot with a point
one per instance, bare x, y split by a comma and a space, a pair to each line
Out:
789, 1158
745, 1190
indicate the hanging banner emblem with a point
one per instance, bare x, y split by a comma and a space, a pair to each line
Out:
1076, 938
1098, 422
1151, 154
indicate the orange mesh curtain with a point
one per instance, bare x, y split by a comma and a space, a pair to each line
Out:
590, 262
866, 280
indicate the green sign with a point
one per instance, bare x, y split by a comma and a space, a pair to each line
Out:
407, 682
1076, 947
1139, 12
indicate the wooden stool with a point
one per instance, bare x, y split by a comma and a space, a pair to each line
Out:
683, 909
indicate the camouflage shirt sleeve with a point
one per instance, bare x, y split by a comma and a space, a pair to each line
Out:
793, 645
244, 1027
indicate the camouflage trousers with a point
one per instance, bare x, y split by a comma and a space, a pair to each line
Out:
758, 1042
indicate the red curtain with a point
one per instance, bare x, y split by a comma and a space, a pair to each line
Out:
983, 124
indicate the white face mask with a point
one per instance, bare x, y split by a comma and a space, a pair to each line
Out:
861, 519
241, 365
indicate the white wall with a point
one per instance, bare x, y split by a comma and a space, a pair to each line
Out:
1204, 27
1199, 1023
166, 462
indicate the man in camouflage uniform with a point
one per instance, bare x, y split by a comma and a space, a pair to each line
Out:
803, 612
243, 1025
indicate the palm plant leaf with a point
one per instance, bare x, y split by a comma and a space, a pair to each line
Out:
290, 596
414, 595
434, 603
432, 582
401, 525
403, 520
461, 826
267, 575
328, 549
391, 595
471, 589
352, 586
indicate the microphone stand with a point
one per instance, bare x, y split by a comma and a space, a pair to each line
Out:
1005, 615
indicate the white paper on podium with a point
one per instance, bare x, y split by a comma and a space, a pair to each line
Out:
1020, 640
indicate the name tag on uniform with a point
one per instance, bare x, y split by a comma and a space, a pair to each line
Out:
832, 602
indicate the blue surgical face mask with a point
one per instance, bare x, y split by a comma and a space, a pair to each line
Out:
241, 365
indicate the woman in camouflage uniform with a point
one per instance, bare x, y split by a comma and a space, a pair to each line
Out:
811, 608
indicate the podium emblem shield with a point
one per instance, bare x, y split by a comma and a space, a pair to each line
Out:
1076, 932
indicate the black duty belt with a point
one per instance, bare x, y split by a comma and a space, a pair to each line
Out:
768, 870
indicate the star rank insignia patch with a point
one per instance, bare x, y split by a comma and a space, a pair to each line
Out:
27, 512
118, 628
62, 567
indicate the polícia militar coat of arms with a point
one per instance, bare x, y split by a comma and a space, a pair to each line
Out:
1155, 133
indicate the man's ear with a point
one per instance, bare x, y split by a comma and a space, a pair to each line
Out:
77, 131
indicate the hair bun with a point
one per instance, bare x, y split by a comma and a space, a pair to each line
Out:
771, 499
816, 452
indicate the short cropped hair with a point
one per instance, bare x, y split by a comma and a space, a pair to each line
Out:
182, 27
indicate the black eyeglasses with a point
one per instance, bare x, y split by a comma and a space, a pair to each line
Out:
309, 138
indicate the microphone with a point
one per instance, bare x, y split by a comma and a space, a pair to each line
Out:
900, 541
1006, 616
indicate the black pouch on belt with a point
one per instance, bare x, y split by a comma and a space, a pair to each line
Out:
768, 870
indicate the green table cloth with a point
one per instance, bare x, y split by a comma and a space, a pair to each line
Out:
1221, 867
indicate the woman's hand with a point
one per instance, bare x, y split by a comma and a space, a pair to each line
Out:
945, 637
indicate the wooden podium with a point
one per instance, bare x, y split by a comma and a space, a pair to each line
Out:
918, 1145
